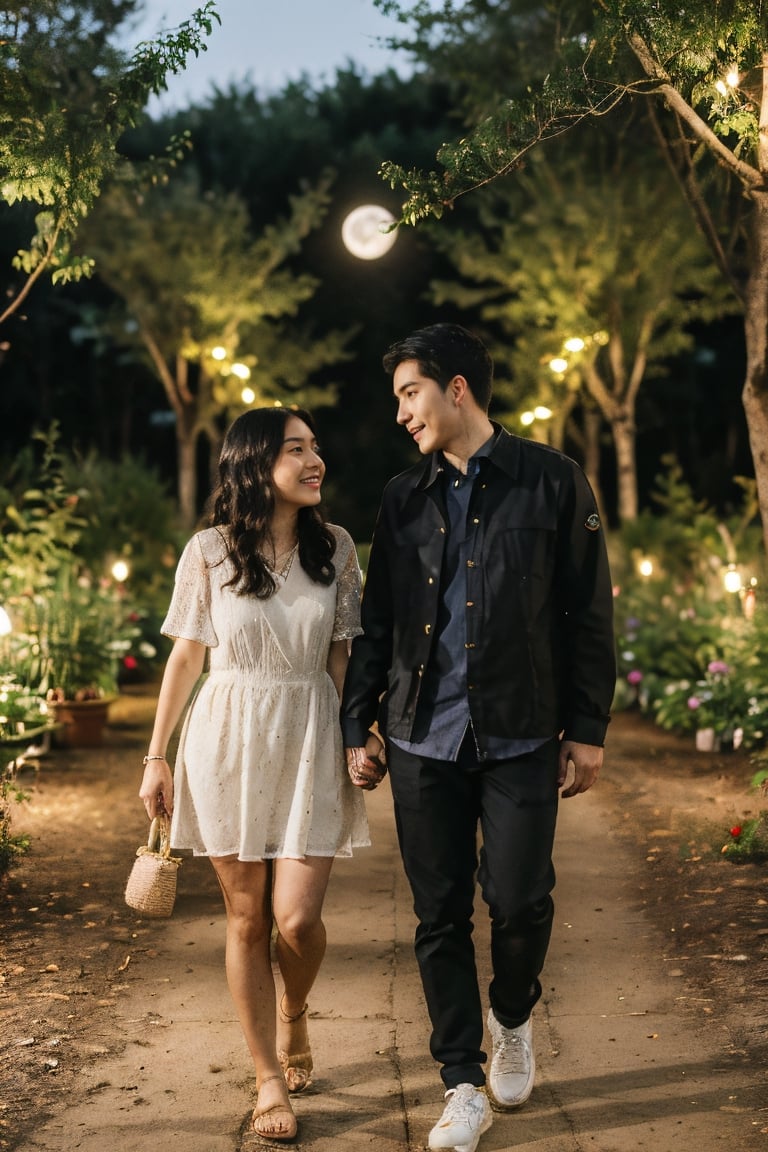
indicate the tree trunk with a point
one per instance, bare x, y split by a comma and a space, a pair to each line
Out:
186, 468
755, 393
620, 416
593, 424
623, 431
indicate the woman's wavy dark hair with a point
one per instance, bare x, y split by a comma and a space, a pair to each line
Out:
244, 502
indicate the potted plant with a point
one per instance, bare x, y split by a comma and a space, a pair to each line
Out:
69, 626
70, 640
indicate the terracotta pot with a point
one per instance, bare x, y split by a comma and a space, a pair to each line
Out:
82, 722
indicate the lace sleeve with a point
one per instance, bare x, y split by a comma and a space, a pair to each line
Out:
189, 613
348, 588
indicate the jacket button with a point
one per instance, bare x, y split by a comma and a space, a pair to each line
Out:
430, 580
470, 603
469, 645
427, 628
470, 563
475, 520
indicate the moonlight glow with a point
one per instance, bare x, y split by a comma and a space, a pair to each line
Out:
362, 232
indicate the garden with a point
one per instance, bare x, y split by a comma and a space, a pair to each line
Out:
87, 558
89, 550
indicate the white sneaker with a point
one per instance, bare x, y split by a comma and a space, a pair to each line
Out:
513, 1065
467, 1114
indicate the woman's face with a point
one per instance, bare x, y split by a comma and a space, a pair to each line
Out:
299, 470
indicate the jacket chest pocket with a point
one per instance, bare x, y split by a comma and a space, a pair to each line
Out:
529, 552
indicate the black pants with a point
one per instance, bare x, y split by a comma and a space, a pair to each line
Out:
438, 807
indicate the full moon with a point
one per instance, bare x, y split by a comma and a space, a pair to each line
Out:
362, 232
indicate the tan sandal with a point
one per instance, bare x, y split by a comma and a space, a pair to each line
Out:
296, 1066
278, 1122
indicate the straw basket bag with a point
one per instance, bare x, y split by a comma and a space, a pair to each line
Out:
151, 887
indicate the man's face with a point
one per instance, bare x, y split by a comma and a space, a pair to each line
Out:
429, 415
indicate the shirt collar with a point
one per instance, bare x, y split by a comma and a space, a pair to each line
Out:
439, 466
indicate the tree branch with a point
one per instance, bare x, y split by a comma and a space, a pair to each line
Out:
749, 176
685, 178
34, 276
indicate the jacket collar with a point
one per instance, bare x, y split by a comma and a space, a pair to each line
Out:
505, 454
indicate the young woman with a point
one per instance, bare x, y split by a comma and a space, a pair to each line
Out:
272, 592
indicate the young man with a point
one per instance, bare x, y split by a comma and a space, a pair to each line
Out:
488, 660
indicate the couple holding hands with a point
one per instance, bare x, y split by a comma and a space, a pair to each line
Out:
482, 656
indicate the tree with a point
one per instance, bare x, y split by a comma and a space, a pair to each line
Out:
66, 98
702, 72
208, 304
259, 146
586, 261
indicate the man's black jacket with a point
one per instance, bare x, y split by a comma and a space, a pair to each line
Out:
540, 649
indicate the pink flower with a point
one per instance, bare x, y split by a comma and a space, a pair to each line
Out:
694, 702
635, 676
718, 668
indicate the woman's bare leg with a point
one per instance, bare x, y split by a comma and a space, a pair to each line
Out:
297, 905
246, 890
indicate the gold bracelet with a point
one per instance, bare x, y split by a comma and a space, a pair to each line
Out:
147, 759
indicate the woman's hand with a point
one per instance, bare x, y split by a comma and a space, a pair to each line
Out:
157, 788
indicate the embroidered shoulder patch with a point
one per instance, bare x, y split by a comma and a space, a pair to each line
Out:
592, 523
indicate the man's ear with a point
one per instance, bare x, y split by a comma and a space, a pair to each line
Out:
459, 390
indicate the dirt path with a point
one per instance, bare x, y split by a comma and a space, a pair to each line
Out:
651, 1032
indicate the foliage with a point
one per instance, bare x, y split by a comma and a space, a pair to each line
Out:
66, 97
197, 286
22, 712
264, 147
587, 262
701, 76
690, 542
72, 635
127, 513
726, 699
12, 845
72, 627
259, 145
748, 841
581, 61
41, 525
22, 717
690, 653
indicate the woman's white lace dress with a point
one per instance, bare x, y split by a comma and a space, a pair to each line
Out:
260, 769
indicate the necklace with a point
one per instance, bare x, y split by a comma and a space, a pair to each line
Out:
281, 563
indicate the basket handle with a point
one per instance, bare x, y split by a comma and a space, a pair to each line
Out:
159, 839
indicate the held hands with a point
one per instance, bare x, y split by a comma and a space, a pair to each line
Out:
366, 765
157, 788
587, 760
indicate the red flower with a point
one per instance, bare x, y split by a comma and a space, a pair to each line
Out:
736, 831
131, 662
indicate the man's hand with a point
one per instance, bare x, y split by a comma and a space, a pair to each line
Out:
587, 760
366, 765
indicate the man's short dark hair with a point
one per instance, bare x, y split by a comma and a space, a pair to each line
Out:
443, 351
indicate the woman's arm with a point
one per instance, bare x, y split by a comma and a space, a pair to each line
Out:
338, 658
182, 672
